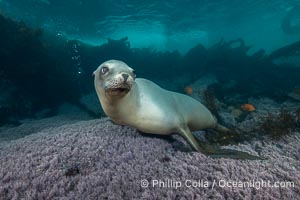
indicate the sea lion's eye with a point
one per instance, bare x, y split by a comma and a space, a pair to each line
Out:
104, 70
134, 75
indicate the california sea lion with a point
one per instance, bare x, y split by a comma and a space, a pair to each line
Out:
142, 104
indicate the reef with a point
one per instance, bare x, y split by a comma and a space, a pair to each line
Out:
71, 169
113, 160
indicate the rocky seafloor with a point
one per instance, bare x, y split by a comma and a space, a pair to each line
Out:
85, 158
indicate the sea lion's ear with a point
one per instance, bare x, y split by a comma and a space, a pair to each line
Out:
93, 74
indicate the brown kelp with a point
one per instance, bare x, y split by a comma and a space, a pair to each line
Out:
278, 125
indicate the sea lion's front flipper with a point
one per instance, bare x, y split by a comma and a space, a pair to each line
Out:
213, 151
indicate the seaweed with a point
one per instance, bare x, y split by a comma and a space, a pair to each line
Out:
279, 125
232, 137
31, 78
288, 50
210, 101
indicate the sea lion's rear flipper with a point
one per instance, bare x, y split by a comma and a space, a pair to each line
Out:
216, 152
213, 151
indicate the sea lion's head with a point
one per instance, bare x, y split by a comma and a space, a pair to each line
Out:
113, 78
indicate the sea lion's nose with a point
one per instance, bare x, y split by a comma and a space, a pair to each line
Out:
125, 76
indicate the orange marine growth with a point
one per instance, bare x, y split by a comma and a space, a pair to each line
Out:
248, 107
188, 90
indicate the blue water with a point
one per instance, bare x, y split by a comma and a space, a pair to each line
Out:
163, 25
49, 49
239, 58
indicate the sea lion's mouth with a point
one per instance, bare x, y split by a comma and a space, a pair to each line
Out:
117, 91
